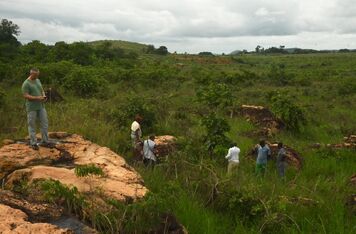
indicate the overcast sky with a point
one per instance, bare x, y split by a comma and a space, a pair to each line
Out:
189, 25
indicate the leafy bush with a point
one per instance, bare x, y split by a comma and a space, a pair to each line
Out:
215, 128
125, 113
84, 83
54, 73
2, 98
54, 191
215, 96
291, 114
278, 75
347, 87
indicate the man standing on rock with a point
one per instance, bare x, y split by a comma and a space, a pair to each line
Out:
263, 152
136, 135
233, 158
35, 97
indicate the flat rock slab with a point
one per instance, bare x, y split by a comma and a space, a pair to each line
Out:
120, 181
15, 156
15, 221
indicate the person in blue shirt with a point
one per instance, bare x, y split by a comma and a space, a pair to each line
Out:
263, 151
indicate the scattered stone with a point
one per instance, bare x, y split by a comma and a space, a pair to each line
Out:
349, 143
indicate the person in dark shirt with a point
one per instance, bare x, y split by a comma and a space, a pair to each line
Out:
281, 160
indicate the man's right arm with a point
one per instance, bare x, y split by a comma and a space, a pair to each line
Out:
26, 95
33, 98
228, 154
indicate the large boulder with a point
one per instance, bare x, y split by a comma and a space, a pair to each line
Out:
263, 118
16, 221
120, 181
165, 145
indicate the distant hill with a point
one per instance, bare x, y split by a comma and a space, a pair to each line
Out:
127, 45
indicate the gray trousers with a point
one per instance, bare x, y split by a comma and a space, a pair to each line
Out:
281, 166
32, 116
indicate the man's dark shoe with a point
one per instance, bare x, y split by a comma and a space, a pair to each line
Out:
35, 147
47, 144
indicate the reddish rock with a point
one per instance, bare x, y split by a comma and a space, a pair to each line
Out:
15, 221
262, 117
120, 181
38, 212
8, 142
165, 145
16, 156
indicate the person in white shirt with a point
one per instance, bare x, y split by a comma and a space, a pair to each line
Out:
149, 156
136, 134
233, 158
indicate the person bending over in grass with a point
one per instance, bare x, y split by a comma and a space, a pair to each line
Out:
149, 156
136, 134
281, 160
233, 158
35, 97
263, 152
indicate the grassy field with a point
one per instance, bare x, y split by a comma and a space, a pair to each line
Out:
193, 184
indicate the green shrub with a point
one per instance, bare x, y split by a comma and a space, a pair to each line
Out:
215, 96
215, 129
2, 98
82, 82
278, 75
125, 113
54, 192
290, 113
347, 87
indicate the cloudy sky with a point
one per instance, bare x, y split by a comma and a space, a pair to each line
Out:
189, 25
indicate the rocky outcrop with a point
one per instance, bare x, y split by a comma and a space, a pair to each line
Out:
165, 145
120, 181
262, 117
36, 212
16, 221
293, 157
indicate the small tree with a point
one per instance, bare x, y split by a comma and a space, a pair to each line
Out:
216, 129
215, 96
290, 113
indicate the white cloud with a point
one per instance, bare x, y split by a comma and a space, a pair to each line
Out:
189, 25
